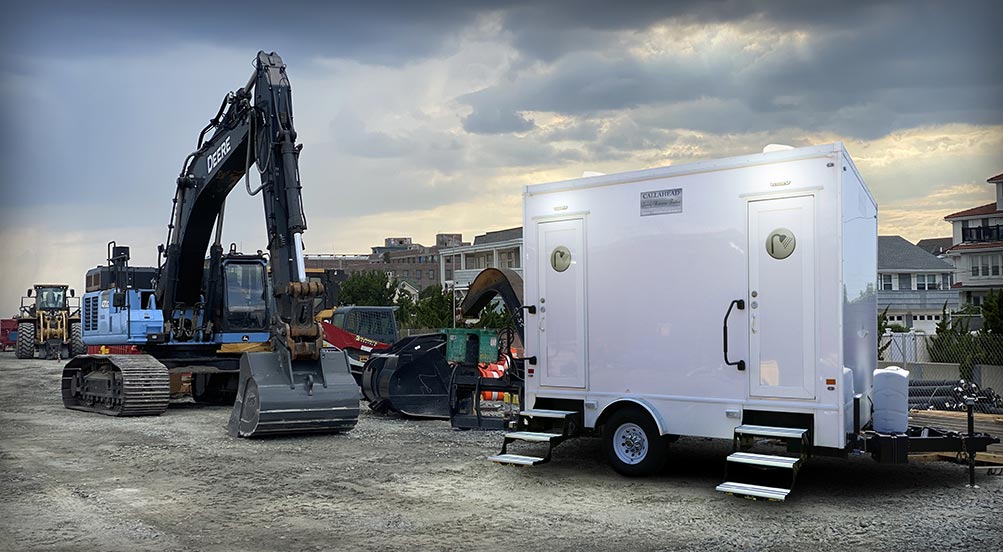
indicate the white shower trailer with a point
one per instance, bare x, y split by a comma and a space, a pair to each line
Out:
632, 276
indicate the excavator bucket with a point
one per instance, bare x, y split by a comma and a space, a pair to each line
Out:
309, 396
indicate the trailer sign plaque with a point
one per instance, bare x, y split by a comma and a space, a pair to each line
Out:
661, 202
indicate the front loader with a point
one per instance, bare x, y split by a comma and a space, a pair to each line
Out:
49, 322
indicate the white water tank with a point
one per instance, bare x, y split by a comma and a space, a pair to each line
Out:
891, 400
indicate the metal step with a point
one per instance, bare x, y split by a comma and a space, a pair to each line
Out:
764, 460
547, 413
532, 436
516, 459
758, 491
767, 431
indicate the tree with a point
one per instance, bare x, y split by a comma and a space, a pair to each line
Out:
992, 313
953, 343
882, 327
493, 319
435, 310
406, 308
991, 334
371, 288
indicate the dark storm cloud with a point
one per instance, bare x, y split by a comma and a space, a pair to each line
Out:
871, 68
496, 119
380, 32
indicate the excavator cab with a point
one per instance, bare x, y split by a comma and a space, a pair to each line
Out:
245, 303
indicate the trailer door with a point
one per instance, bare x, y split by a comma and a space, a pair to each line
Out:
562, 303
782, 298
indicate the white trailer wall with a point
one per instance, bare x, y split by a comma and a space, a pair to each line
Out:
656, 287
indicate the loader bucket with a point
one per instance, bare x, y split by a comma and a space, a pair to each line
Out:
312, 396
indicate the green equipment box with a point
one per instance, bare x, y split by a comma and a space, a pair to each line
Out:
456, 344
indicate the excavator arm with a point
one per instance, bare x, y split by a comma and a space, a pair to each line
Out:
254, 127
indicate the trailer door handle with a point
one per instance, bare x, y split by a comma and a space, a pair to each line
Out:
740, 303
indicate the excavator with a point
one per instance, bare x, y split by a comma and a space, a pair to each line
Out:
208, 316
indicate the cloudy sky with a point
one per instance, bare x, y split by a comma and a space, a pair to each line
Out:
426, 117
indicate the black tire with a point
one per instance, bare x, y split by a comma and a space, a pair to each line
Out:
25, 340
632, 443
77, 346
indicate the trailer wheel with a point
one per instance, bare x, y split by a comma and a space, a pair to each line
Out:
77, 346
25, 340
633, 444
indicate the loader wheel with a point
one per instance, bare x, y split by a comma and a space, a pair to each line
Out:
632, 443
25, 340
77, 346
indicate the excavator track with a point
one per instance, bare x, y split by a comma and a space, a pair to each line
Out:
116, 385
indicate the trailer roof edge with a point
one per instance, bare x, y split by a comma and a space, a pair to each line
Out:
806, 152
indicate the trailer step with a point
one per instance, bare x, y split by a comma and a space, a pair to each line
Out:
547, 413
767, 431
765, 460
532, 436
516, 459
756, 491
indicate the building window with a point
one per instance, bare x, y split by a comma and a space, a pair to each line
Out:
431, 274
405, 273
926, 281
886, 282
986, 266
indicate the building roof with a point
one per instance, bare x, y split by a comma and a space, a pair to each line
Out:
977, 245
935, 246
499, 236
895, 253
996, 179
986, 209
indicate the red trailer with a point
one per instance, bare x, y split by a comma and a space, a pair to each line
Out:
8, 325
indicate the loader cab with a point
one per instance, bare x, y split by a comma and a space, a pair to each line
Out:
245, 301
50, 297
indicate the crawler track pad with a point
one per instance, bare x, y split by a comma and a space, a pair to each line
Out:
268, 403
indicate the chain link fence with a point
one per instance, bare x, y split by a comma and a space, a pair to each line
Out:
945, 370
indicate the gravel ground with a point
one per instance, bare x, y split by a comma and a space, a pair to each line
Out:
73, 481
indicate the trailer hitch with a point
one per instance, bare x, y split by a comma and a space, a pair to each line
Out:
740, 303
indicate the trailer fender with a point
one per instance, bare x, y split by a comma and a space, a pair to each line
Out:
617, 404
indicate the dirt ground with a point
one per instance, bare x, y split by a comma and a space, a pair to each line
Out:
76, 481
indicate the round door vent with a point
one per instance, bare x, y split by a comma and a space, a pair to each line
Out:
780, 243
560, 258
